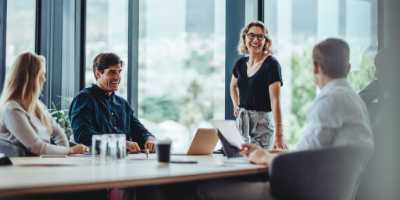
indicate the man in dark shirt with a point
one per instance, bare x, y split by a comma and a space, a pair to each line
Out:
97, 110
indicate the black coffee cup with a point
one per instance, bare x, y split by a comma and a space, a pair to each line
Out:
163, 150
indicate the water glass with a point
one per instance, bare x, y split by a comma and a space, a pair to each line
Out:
111, 147
121, 146
99, 143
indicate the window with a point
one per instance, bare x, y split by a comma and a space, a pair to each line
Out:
181, 67
296, 26
21, 15
107, 31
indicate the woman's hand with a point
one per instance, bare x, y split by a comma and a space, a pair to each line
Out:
78, 149
236, 110
279, 142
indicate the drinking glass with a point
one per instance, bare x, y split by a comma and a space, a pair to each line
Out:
121, 146
111, 147
99, 143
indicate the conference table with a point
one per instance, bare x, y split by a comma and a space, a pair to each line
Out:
35, 175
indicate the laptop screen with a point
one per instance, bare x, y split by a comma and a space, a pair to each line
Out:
230, 150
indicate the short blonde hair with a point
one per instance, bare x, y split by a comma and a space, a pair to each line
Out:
22, 85
333, 56
267, 49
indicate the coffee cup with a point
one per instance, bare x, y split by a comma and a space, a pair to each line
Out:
163, 150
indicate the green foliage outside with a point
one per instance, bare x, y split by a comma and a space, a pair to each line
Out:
62, 117
303, 93
361, 78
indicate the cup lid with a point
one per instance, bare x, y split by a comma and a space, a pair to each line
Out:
165, 141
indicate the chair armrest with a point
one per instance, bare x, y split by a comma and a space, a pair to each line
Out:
11, 150
333, 173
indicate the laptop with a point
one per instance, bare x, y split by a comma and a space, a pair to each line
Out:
231, 140
203, 143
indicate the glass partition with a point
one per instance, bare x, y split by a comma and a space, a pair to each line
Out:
20, 38
181, 67
107, 31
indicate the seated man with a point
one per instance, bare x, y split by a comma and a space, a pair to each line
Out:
97, 110
338, 117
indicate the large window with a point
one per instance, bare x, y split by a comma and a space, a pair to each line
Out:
107, 31
181, 67
296, 26
20, 29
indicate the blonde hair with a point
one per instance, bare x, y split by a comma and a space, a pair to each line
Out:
22, 85
267, 49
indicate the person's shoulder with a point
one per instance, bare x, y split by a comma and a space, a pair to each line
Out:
272, 61
272, 58
241, 60
84, 93
12, 106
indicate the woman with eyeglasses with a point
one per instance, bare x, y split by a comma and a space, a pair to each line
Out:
24, 120
255, 88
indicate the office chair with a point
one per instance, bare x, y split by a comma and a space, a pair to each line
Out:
328, 173
11, 150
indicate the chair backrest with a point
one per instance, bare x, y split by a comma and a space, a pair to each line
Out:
10, 150
327, 173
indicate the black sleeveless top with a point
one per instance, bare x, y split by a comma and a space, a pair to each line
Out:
254, 90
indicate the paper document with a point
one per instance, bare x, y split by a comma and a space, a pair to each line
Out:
229, 130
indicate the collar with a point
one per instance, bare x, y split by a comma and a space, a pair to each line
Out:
101, 92
332, 84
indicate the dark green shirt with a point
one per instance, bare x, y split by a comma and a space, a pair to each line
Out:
93, 112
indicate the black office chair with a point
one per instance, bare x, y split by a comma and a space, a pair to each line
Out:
11, 150
328, 173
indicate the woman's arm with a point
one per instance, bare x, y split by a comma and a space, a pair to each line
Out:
18, 124
58, 133
274, 94
235, 95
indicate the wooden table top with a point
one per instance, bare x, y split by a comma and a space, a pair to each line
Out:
35, 175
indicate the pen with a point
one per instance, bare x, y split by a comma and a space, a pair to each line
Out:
147, 153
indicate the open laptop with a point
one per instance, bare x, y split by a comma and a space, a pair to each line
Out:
231, 140
203, 143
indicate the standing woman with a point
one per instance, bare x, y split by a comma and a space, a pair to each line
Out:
24, 120
255, 88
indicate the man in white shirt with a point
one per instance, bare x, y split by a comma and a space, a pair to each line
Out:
338, 117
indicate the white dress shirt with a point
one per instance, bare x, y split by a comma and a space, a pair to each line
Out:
338, 117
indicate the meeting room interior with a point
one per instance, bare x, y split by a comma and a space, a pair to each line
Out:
200, 99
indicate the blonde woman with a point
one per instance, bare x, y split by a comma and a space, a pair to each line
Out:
24, 120
255, 88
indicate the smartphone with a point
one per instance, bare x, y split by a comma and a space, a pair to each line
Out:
183, 161
53, 156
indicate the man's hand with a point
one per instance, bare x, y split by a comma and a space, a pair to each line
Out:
150, 144
255, 154
133, 147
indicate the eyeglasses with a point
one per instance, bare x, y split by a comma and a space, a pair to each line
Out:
251, 36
